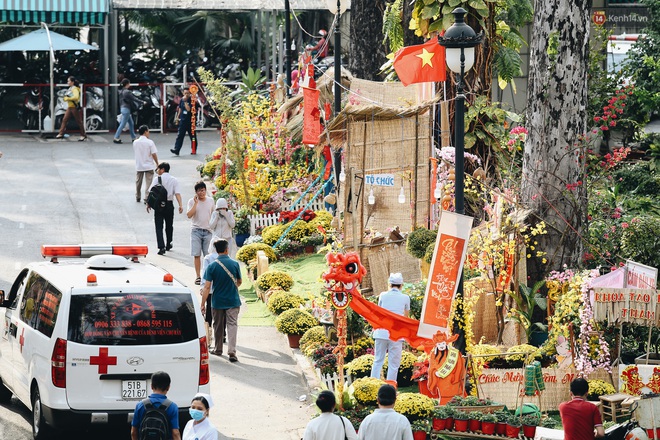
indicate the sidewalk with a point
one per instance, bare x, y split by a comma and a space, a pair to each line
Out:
266, 395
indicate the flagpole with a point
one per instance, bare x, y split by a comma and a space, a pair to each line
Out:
337, 108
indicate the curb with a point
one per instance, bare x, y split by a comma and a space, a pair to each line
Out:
309, 375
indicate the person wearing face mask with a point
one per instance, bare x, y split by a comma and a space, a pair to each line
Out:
200, 427
222, 225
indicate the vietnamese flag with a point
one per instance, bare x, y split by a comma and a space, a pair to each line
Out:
421, 63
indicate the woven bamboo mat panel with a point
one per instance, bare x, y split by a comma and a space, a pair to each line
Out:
485, 322
390, 93
604, 375
378, 271
401, 261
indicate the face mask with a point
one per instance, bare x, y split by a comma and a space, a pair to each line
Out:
196, 414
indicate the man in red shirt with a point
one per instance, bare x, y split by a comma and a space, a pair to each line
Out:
580, 417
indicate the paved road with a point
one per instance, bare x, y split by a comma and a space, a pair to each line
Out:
68, 192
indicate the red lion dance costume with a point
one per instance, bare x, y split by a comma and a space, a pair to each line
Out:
344, 275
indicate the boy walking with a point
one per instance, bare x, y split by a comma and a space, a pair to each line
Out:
160, 385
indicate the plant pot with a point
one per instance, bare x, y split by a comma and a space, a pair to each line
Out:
460, 425
424, 389
474, 425
309, 249
500, 428
439, 424
488, 428
512, 431
240, 239
294, 340
449, 423
529, 431
419, 435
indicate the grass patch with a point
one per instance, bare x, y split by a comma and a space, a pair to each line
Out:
306, 272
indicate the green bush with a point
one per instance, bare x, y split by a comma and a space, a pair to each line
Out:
295, 322
640, 241
274, 278
312, 339
282, 300
419, 240
249, 252
272, 233
428, 255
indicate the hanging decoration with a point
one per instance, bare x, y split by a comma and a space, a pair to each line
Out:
311, 116
193, 117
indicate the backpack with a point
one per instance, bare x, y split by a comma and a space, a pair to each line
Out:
155, 424
157, 199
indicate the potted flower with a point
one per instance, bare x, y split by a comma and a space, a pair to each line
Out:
242, 226
440, 415
513, 426
420, 429
294, 323
474, 421
311, 241
502, 419
488, 422
529, 424
460, 421
365, 390
421, 375
360, 366
414, 406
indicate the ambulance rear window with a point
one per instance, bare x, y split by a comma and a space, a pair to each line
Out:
132, 319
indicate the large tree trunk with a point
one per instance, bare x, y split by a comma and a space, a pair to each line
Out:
556, 118
367, 53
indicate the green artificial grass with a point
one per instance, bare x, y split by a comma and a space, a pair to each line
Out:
306, 272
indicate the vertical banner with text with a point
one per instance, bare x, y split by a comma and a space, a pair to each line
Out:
311, 116
446, 269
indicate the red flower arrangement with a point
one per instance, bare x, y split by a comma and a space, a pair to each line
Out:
421, 370
287, 216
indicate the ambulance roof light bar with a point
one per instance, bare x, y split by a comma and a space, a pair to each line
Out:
88, 250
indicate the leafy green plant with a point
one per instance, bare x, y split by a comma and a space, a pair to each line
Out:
489, 417
252, 80
423, 425
475, 415
531, 419
282, 301
501, 416
243, 221
526, 299
295, 322
419, 240
640, 241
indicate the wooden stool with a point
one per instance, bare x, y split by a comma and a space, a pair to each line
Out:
611, 406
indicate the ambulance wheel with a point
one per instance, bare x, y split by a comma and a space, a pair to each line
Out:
40, 429
5, 394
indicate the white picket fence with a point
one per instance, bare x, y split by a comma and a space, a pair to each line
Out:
263, 220
332, 381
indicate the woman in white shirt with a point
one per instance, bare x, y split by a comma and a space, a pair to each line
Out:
200, 428
222, 225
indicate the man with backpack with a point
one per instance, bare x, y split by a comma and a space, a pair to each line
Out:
164, 187
156, 417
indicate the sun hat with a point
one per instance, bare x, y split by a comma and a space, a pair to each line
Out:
395, 278
221, 203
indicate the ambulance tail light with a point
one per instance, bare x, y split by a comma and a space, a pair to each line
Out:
204, 373
58, 363
89, 250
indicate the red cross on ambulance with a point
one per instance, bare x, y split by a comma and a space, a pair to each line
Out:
103, 360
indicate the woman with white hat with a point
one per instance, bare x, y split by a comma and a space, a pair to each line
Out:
200, 428
222, 225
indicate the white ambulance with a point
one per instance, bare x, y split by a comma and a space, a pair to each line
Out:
82, 333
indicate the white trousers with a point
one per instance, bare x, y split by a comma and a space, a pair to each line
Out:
393, 350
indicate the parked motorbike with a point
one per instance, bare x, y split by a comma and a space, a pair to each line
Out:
35, 103
94, 105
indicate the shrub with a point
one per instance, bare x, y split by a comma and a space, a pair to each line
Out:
273, 278
365, 390
210, 168
531, 419
312, 339
281, 301
323, 218
360, 367
272, 233
249, 252
327, 364
423, 425
414, 406
419, 240
518, 360
640, 241
300, 230
599, 388
362, 346
295, 322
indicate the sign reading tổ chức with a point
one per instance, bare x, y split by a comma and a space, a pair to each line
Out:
636, 306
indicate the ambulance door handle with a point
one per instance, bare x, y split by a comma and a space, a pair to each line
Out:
13, 329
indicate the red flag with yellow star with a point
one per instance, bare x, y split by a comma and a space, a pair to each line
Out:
421, 63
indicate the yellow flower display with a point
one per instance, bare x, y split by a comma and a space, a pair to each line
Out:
414, 406
365, 390
273, 278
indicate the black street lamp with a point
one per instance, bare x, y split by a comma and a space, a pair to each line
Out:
460, 41
338, 9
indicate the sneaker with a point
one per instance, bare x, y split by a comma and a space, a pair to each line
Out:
117, 141
173, 151
233, 358
161, 251
137, 200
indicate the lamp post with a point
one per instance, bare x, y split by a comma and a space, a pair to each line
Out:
287, 46
337, 8
460, 41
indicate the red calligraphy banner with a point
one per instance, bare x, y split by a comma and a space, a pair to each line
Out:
446, 269
311, 117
